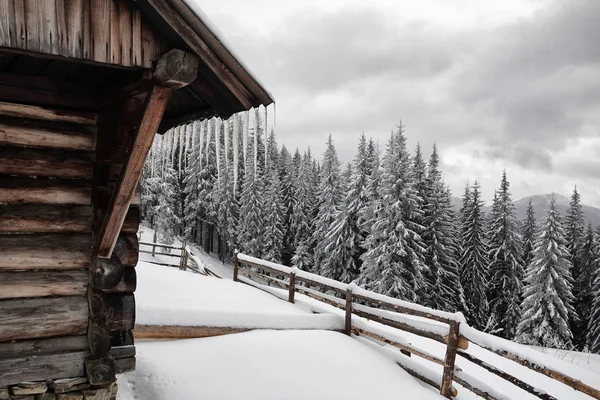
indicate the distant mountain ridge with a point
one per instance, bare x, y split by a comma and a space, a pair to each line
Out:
540, 204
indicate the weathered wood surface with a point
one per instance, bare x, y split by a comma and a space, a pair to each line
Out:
43, 284
31, 133
94, 30
47, 113
44, 191
114, 310
156, 103
24, 348
122, 352
123, 365
33, 218
100, 370
40, 367
176, 69
43, 317
181, 332
127, 284
46, 163
45, 251
451, 348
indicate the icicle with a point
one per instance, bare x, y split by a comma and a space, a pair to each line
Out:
266, 135
226, 150
166, 148
245, 137
152, 156
255, 142
188, 137
202, 132
218, 149
236, 150
174, 144
181, 146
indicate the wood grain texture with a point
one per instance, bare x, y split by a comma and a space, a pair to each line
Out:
34, 218
43, 317
43, 284
156, 103
47, 113
181, 332
24, 348
45, 251
41, 367
46, 163
31, 133
44, 191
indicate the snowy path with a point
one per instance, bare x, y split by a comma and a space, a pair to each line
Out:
268, 365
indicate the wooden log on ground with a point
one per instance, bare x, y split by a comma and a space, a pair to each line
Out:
45, 251
44, 191
47, 113
515, 381
40, 367
43, 284
43, 317
182, 332
46, 163
58, 345
33, 218
17, 132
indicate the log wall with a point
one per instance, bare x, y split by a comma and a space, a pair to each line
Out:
48, 277
106, 31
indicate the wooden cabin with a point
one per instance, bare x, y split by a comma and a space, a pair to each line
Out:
84, 87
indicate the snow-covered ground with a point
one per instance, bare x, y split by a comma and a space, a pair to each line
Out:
267, 365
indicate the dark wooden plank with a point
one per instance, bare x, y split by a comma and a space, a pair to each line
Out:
46, 10
41, 367
43, 283
43, 317
100, 30
45, 251
62, 33
46, 163
44, 191
100, 370
122, 352
125, 33
34, 218
136, 38
6, 14
20, 37
33, 24
32, 133
37, 96
176, 69
115, 43
117, 211
87, 51
127, 284
74, 21
123, 365
451, 348
25, 348
47, 113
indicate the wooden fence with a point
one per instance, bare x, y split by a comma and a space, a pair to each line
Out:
439, 326
187, 261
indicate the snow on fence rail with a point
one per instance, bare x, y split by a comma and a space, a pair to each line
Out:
450, 329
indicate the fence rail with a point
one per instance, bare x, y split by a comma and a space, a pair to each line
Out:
442, 327
184, 255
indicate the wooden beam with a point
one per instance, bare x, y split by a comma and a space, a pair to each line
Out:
25, 348
34, 218
40, 367
47, 113
156, 102
31, 133
50, 163
176, 69
44, 191
43, 284
182, 332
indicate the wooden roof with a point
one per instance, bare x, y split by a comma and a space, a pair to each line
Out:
127, 35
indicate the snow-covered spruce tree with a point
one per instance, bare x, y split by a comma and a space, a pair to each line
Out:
345, 235
273, 218
191, 182
168, 221
287, 181
251, 220
329, 197
419, 178
367, 214
582, 288
506, 265
393, 263
474, 259
441, 241
548, 298
207, 182
300, 220
574, 225
594, 318
529, 228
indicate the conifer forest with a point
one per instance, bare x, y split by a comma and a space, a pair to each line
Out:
385, 221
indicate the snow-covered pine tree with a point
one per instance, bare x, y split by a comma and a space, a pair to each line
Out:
393, 263
506, 269
441, 241
593, 337
251, 220
474, 260
168, 221
190, 183
548, 298
329, 198
419, 178
300, 220
529, 229
366, 215
207, 185
287, 181
582, 288
574, 225
273, 217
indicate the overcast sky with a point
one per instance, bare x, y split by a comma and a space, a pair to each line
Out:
496, 84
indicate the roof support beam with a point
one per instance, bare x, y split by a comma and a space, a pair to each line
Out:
174, 69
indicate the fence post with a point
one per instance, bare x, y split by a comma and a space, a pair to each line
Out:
292, 288
235, 266
448, 377
182, 260
153, 243
348, 321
